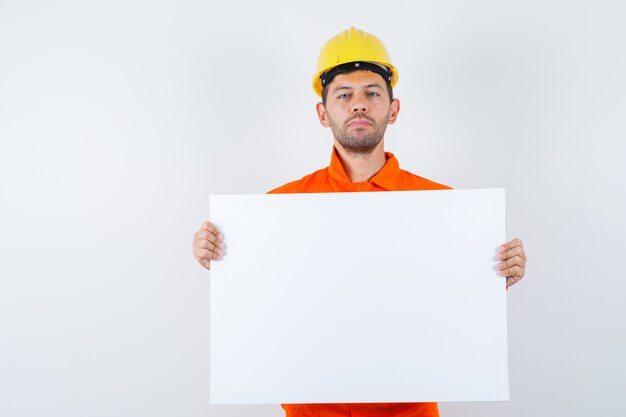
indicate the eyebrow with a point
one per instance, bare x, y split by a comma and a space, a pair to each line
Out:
355, 88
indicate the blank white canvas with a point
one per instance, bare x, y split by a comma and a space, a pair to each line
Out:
358, 297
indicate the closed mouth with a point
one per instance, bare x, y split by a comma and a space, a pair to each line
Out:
359, 122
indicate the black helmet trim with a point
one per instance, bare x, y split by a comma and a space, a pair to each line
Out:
328, 76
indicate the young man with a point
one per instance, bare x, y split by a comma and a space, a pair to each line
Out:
355, 80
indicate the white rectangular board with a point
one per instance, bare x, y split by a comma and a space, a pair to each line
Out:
358, 297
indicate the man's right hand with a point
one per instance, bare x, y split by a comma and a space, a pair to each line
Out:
208, 245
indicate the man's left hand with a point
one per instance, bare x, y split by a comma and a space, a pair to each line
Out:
513, 261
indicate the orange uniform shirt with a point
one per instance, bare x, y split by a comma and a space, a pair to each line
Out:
334, 179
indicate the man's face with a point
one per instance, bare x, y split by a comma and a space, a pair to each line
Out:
358, 110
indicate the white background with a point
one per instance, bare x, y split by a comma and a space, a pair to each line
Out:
119, 118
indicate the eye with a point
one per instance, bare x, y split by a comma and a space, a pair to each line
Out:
343, 96
373, 94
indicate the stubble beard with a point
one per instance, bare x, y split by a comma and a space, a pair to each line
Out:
359, 143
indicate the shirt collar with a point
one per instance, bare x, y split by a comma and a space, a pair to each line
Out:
386, 178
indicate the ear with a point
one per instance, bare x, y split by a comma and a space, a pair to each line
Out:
321, 114
394, 109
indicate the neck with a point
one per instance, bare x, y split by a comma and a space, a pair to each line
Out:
362, 167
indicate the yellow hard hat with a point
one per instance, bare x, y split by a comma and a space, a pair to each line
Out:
353, 45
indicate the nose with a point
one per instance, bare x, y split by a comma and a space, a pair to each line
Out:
359, 104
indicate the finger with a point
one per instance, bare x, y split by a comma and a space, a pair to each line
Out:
205, 244
510, 245
205, 254
511, 253
206, 236
511, 262
512, 280
210, 227
515, 271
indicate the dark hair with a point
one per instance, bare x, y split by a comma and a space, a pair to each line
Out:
347, 71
